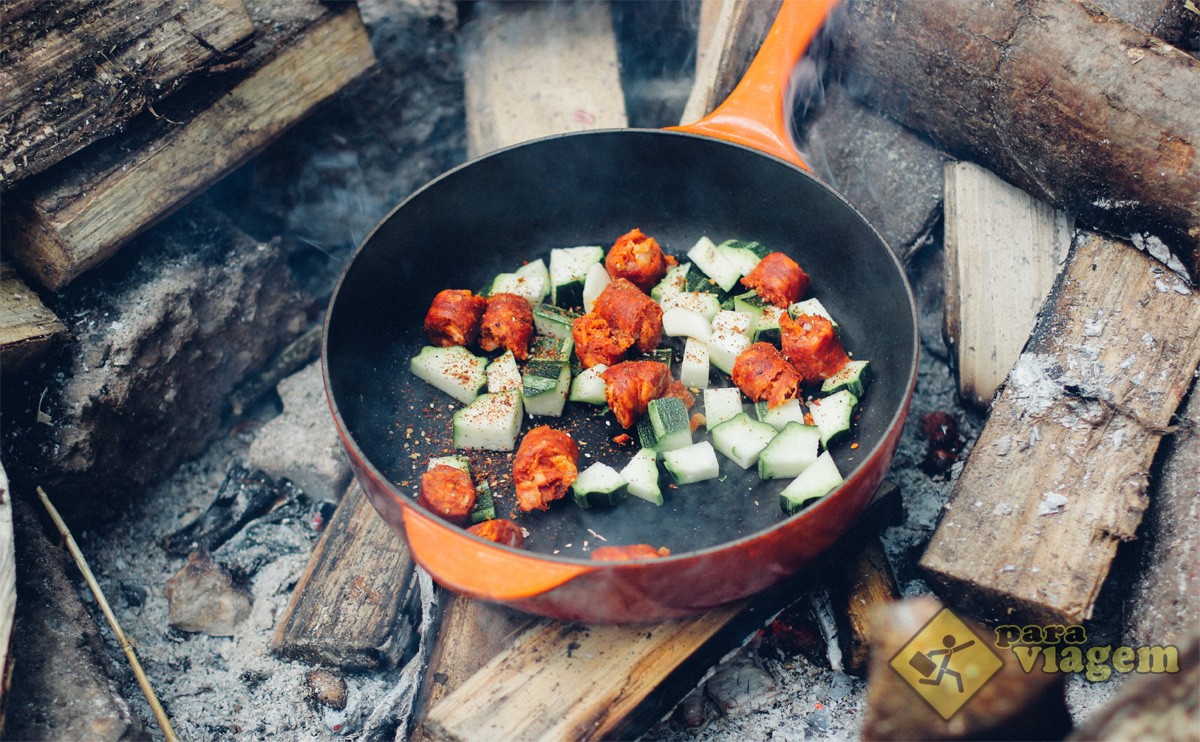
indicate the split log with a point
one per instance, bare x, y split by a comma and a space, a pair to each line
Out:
1003, 252
1074, 107
1170, 20
863, 584
27, 327
731, 31
77, 71
76, 215
1058, 476
348, 608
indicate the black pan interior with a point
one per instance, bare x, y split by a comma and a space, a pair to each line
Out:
515, 205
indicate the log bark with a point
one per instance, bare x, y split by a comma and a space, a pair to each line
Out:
1057, 478
1072, 106
74, 216
27, 327
76, 71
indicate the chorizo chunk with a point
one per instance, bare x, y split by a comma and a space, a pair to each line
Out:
629, 387
453, 317
637, 258
812, 347
448, 492
763, 373
624, 306
625, 553
778, 279
500, 530
596, 341
544, 468
507, 323
678, 389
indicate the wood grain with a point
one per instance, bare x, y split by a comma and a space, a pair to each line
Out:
863, 583
1058, 477
76, 215
27, 327
730, 35
74, 71
1004, 249
347, 608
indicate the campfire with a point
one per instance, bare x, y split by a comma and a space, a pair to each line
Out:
187, 547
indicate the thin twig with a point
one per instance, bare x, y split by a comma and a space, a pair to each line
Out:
143, 681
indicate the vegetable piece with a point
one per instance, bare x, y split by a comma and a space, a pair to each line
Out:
816, 481
507, 323
623, 305
594, 282
706, 257
531, 281
767, 330
453, 370
447, 491
637, 258
790, 452
779, 417
599, 485
679, 322
641, 476
553, 321
733, 321
721, 405
672, 283
453, 318
544, 467
672, 428
568, 269
742, 439
853, 377
696, 301
778, 279
490, 423
458, 461
485, 504
812, 347
548, 348
693, 370
813, 307
695, 463
662, 355
740, 254
503, 373
724, 347
645, 433
626, 553
502, 531
631, 385
599, 343
544, 387
588, 386
833, 415
764, 375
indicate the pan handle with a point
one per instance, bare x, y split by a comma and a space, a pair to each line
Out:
755, 114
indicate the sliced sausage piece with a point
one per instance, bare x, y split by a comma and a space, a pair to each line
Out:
637, 258
453, 317
449, 492
812, 346
677, 389
623, 305
544, 468
500, 530
778, 279
507, 323
629, 387
763, 373
596, 341
625, 553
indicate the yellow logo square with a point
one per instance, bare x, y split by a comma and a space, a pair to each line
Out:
946, 663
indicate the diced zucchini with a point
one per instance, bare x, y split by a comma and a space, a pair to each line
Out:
536, 275
531, 281
503, 374
742, 439
714, 264
672, 283
750, 303
485, 504
818, 480
645, 433
659, 355
593, 285
742, 322
589, 386
721, 405
693, 370
696, 301
545, 386
790, 452
766, 330
696, 281
568, 269
599, 485
739, 254
778, 418
490, 423
833, 415
724, 347
551, 348
669, 417
759, 250
553, 321
641, 476
853, 378
458, 461
812, 307
680, 322
453, 370
695, 463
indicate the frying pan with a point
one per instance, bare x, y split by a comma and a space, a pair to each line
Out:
732, 175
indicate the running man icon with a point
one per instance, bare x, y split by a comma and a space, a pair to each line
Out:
943, 668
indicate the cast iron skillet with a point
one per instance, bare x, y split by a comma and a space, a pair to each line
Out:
728, 537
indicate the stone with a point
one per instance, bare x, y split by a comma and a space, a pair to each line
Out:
740, 686
201, 598
326, 688
302, 444
62, 686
